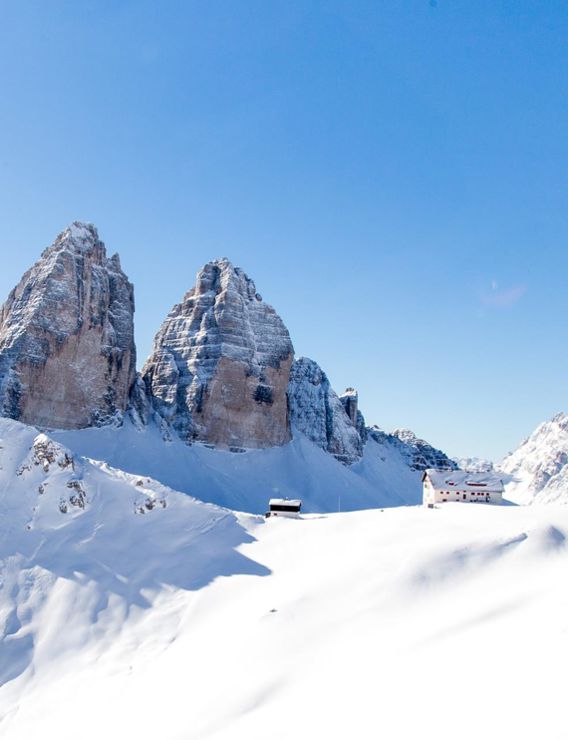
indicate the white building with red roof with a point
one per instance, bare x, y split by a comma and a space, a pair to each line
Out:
458, 485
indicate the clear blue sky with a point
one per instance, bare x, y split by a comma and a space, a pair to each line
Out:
393, 175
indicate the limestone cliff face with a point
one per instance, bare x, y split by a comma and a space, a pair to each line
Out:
318, 412
220, 365
350, 401
67, 354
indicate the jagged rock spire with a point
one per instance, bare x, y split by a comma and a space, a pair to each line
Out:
67, 354
220, 364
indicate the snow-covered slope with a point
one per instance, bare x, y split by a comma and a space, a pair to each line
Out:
83, 547
245, 481
538, 469
179, 624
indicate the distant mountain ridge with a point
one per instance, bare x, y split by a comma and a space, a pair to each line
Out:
474, 464
419, 453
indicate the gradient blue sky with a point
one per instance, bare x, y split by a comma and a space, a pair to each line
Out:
393, 175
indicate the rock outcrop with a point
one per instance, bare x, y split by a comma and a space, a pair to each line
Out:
318, 412
67, 354
350, 400
417, 452
220, 365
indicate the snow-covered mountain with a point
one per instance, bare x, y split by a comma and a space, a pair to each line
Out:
220, 365
474, 464
538, 469
221, 374
130, 610
135, 601
67, 354
418, 454
317, 411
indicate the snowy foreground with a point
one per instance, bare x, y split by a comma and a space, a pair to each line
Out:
130, 610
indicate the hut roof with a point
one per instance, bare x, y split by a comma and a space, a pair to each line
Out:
448, 480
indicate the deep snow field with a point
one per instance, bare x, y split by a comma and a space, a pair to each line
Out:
139, 612
247, 480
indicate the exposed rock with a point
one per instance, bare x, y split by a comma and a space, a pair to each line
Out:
350, 400
419, 454
46, 452
220, 365
78, 497
140, 406
361, 427
67, 355
317, 412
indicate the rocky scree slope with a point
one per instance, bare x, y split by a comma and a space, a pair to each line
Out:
220, 366
67, 354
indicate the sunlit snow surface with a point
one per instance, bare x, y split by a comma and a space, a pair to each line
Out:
188, 621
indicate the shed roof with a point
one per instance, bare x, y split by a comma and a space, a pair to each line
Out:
291, 502
448, 480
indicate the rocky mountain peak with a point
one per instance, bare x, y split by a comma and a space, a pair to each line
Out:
538, 469
561, 421
405, 435
221, 274
319, 413
78, 238
67, 355
220, 365
419, 454
81, 233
